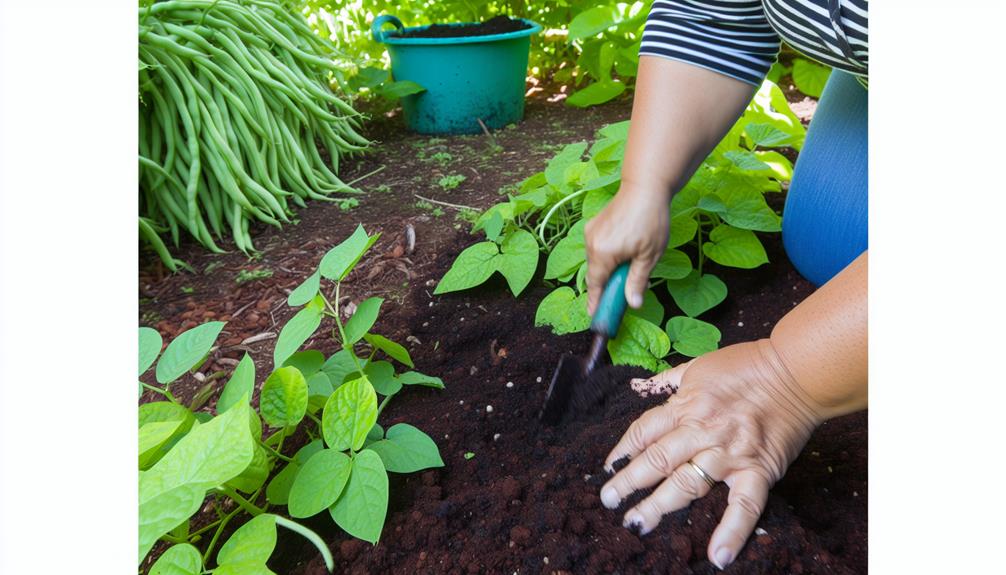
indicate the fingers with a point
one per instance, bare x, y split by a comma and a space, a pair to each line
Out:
748, 494
678, 491
659, 460
638, 281
651, 425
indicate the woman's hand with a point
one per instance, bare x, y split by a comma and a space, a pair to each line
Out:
739, 416
633, 227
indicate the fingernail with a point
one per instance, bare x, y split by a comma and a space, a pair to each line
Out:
723, 557
609, 497
636, 300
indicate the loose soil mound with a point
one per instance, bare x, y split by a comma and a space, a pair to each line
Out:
496, 25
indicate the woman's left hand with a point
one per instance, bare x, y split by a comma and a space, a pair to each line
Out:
737, 416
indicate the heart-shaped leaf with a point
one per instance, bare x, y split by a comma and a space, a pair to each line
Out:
349, 414
319, 483
697, 293
187, 350
406, 449
283, 401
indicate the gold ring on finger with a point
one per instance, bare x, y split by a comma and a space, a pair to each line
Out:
702, 473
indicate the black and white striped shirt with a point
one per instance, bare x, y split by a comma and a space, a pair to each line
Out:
740, 38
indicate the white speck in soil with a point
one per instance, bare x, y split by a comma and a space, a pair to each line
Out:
760, 531
855, 494
816, 453
586, 477
545, 559
539, 379
509, 384
473, 370
830, 470
462, 319
462, 402
689, 521
426, 324
496, 437
489, 409
740, 324
431, 304
447, 436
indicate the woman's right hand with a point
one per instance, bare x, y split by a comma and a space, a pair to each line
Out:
632, 228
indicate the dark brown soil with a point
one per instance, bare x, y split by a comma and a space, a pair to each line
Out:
496, 25
527, 501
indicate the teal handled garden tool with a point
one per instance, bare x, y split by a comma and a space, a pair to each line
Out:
570, 384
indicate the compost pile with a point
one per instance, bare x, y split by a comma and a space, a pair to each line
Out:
496, 25
234, 100
518, 498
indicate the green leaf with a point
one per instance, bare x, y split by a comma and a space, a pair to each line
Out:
494, 226
673, 264
183, 559
253, 542
746, 160
407, 449
400, 89
164, 411
369, 77
711, 203
307, 362
746, 209
306, 291
278, 490
594, 201
809, 77
319, 483
393, 350
555, 172
241, 384
338, 366
592, 22
150, 348
349, 414
341, 259
767, 136
187, 350
363, 319
283, 401
416, 378
639, 343
569, 254
683, 229
254, 476
518, 259
363, 505
730, 246
244, 568
782, 168
161, 511
209, 455
381, 375
596, 93
152, 437
473, 267
319, 385
696, 293
298, 330
651, 311
564, 311
692, 337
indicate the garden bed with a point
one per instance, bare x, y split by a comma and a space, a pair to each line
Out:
525, 500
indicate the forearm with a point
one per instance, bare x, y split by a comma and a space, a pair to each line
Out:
822, 343
679, 113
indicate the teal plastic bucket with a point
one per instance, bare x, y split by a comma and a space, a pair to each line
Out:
467, 79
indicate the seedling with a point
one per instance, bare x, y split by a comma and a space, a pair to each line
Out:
245, 276
348, 204
451, 181
713, 218
229, 456
187, 289
442, 158
469, 455
382, 189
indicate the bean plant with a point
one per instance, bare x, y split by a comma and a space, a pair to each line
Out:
712, 219
188, 457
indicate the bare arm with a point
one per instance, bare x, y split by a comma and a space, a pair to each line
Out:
679, 113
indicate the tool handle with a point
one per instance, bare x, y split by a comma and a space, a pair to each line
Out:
611, 308
379, 22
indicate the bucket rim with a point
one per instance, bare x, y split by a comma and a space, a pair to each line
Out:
392, 38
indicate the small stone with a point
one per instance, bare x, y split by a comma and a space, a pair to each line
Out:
431, 304
509, 384
760, 531
829, 469
586, 477
740, 324
496, 437
462, 319
489, 409
539, 379
473, 370
545, 559
426, 324
855, 494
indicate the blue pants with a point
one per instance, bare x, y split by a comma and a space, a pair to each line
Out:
824, 224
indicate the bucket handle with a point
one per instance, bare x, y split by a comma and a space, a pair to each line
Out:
375, 28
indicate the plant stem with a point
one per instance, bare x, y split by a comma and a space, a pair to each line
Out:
275, 452
384, 402
314, 418
216, 535
163, 392
702, 256
241, 501
342, 332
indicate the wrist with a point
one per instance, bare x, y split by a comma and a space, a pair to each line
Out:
784, 388
649, 190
